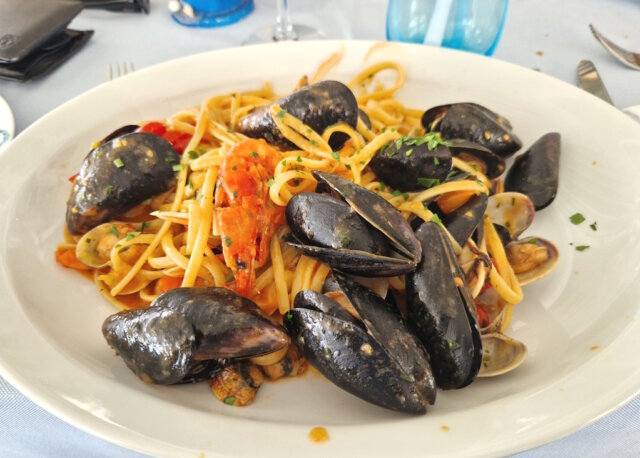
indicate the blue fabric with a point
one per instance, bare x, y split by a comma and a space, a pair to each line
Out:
27, 430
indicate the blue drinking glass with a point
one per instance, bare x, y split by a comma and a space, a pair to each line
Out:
210, 13
470, 25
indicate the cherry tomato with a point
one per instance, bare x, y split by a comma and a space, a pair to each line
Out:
179, 140
72, 178
483, 317
154, 128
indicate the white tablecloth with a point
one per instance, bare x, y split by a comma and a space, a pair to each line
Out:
551, 36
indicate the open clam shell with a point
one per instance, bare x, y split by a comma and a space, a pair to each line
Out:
94, 248
512, 210
500, 354
531, 258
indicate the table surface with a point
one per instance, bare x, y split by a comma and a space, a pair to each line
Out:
549, 36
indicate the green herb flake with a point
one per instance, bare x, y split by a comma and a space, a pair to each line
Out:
192, 154
453, 345
132, 235
577, 218
382, 186
253, 154
289, 315
191, 184
393, 129
107, 189
436, 161
532, 241
396, 193
113, 230
144, 226
451, 174
428, 182
229, 277
284, 162
398, 143
384, 129
270, 182
513, 201
405, 196
436, 219
170, 159
281, 114
345, 239
594, 226
230, 400
406, 378
409, 151
335, 155
177, 167
582, 247
348, 166
299, 159
88, 241
227, 240
314, 142
118, 163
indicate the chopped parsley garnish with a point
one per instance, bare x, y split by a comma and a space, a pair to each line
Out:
396, 193
113, 230
118, 163
513, 201
582, 247
229, 277
335, 155
108, 188
436, 161
191, 184
409, 151
253, 154
577, 218
193, 154
227, 240
406, 378
453, 345
398, 143
348, 166
314, 142
345, 239
270, 182
170, 159
289, 315
281, 114
284, 162
230, 400
533, 240
132, 235
382, 186
428, 182
450, 174
594, 226
144, 225
436, 219
384, 129
177, 167
299, 159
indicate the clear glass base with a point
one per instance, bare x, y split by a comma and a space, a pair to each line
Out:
183, 13
268, 35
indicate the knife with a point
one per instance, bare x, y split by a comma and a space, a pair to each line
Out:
589, 80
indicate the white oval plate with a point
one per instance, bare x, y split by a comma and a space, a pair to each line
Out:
6, 124
581, 323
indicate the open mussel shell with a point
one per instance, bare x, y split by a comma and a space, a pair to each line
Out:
404, 163
94, 248
378, 360
500, 354
441, 311
512, 210
119, 132
163, 343
377, 212
118, 175
535, 173
464, 220
318, 106
489, 163
474, 123
531, 258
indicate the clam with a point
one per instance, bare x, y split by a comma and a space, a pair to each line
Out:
531, 258
512, 210
94, 248
500, 354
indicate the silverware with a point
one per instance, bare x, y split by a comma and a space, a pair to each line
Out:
116, 70
630, 59
589, 80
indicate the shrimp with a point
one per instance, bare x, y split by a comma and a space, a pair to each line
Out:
247, 217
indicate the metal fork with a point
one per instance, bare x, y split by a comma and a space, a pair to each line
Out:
628, 58
116, 70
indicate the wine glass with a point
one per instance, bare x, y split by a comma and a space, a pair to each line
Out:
284, 29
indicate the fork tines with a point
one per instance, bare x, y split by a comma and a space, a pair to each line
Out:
117, 70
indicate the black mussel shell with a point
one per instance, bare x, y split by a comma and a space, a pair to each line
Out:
166, 342
405, 165
474, 123
313, 300
535, 172
118, 175
491, 165
465, 219
442, 313
119, 132
318, 106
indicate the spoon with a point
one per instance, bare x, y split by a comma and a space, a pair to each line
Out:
500, 354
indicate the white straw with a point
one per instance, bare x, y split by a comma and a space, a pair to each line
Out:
438, 23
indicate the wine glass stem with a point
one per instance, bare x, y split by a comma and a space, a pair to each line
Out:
284, 28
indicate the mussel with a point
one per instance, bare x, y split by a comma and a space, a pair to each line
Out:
487, 162
407, 163
535, 172
475, 123
318, 106
442, 312
191, 330
377, 359
464, 220
360, 236
118, 175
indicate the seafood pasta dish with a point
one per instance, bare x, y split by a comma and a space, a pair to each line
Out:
333, 226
